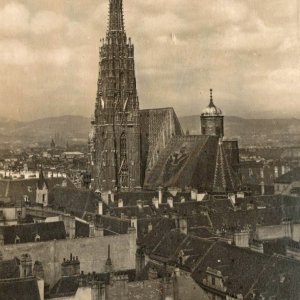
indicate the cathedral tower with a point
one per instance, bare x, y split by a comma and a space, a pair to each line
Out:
212, 120
115, 139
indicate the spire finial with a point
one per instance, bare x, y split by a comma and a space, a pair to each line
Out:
211, 95
116, 19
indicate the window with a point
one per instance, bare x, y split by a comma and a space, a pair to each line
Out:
213, 280
44, 198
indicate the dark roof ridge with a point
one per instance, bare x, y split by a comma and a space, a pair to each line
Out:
265, 267
200, 259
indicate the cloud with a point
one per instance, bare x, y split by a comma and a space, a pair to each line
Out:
16, 19
14, 52
46, 21
245, 50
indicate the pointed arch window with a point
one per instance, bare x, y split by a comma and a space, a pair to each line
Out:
123, 146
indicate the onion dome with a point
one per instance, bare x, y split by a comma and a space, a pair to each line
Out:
211, 109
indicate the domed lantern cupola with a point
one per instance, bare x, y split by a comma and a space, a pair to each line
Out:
212, 119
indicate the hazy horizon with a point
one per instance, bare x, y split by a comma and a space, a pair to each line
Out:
248, 52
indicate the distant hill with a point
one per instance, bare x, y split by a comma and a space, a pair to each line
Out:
43, 130
275, 132
272, 132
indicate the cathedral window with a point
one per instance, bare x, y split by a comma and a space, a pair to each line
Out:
123, 145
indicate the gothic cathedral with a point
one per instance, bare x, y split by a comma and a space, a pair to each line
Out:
116, 126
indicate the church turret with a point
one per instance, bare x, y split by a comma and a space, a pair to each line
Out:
42, 190
212, 119
108, 263
116, 139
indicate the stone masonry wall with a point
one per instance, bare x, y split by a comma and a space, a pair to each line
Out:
92, 253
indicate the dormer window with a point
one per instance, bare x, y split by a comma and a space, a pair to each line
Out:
26, 198
17, 240
29, 188
37, 238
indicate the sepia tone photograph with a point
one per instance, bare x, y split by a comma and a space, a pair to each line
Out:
149, 150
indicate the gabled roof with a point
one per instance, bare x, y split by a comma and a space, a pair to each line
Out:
289, 177
28, 232
193, 161
78, 202
18, 188
9, 269
20, 289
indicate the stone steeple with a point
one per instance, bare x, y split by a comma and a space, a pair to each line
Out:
116, 127
116, 18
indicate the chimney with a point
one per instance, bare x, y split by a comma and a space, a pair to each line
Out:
120, 203
183, 225
241, 239
139, 204
262, 185
100, 208
155, 202
70, 267
25, 266
170, 202
38, 270
160, 195
177, 272
133, 222
139, 262
194, 194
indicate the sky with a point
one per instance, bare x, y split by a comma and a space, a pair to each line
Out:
248, 51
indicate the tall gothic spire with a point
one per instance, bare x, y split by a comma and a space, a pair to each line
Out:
116, 19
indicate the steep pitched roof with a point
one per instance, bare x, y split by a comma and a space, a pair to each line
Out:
28, 232
193, 161
21, 289
78, 202
9, 269
18, 188
289, 177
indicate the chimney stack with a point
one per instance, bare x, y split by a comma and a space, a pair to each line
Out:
160, 195
170, 202
155, 202
120, 203
100, 208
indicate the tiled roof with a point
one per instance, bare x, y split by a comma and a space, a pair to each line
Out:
9, 269
77, 202
18, 188
240, 268
289, 177
19, 289
167, 247
158, 126
28, 232
151, 240
113, 224
179, 163
68, 286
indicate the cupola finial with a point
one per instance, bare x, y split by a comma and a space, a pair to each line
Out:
211, 96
